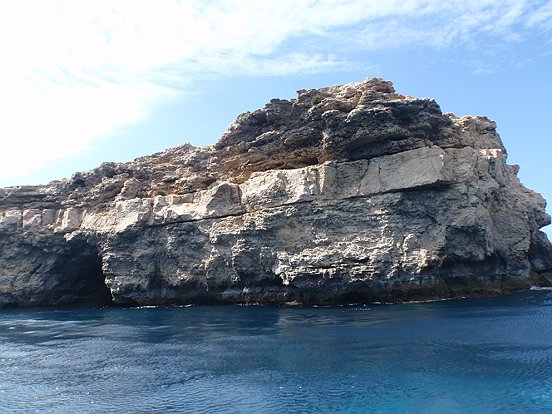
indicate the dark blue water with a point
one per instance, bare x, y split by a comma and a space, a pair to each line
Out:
464, 356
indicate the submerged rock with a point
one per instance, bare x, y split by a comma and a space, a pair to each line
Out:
347, 193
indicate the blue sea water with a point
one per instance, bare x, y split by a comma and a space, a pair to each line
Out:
491, 355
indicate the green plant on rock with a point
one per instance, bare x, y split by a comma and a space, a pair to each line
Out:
316, 99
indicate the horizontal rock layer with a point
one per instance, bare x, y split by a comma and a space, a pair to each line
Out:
347, 193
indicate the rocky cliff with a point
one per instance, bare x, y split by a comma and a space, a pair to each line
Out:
346, 193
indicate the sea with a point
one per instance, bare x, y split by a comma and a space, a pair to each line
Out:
489, 355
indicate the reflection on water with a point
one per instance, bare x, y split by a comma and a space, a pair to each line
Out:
476, 355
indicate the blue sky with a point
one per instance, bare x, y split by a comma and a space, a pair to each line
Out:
85, 82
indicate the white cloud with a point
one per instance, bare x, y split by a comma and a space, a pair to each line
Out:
541, 17
75, 71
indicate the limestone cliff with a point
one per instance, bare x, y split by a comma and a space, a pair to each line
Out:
347, 193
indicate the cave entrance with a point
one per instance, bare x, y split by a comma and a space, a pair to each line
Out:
83, 281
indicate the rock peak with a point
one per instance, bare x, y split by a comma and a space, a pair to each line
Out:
376, 87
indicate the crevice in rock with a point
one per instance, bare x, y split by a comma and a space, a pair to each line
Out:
437, 186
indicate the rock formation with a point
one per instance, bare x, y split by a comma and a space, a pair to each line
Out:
349, 193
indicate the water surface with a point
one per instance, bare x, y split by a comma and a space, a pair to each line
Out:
490, 355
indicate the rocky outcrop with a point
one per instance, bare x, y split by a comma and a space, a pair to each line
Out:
347, 193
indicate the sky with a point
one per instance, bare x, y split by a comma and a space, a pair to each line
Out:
84, 82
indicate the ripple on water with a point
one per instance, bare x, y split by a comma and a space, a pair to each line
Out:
484, 355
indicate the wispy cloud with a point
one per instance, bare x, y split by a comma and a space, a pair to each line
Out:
480, 68
75, 71
541, 17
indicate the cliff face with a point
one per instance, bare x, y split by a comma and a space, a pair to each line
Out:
347, 193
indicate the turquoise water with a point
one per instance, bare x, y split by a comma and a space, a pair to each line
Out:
489, 355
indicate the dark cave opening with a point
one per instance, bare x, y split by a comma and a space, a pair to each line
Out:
83, 281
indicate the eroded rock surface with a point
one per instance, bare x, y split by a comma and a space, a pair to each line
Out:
347, 193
